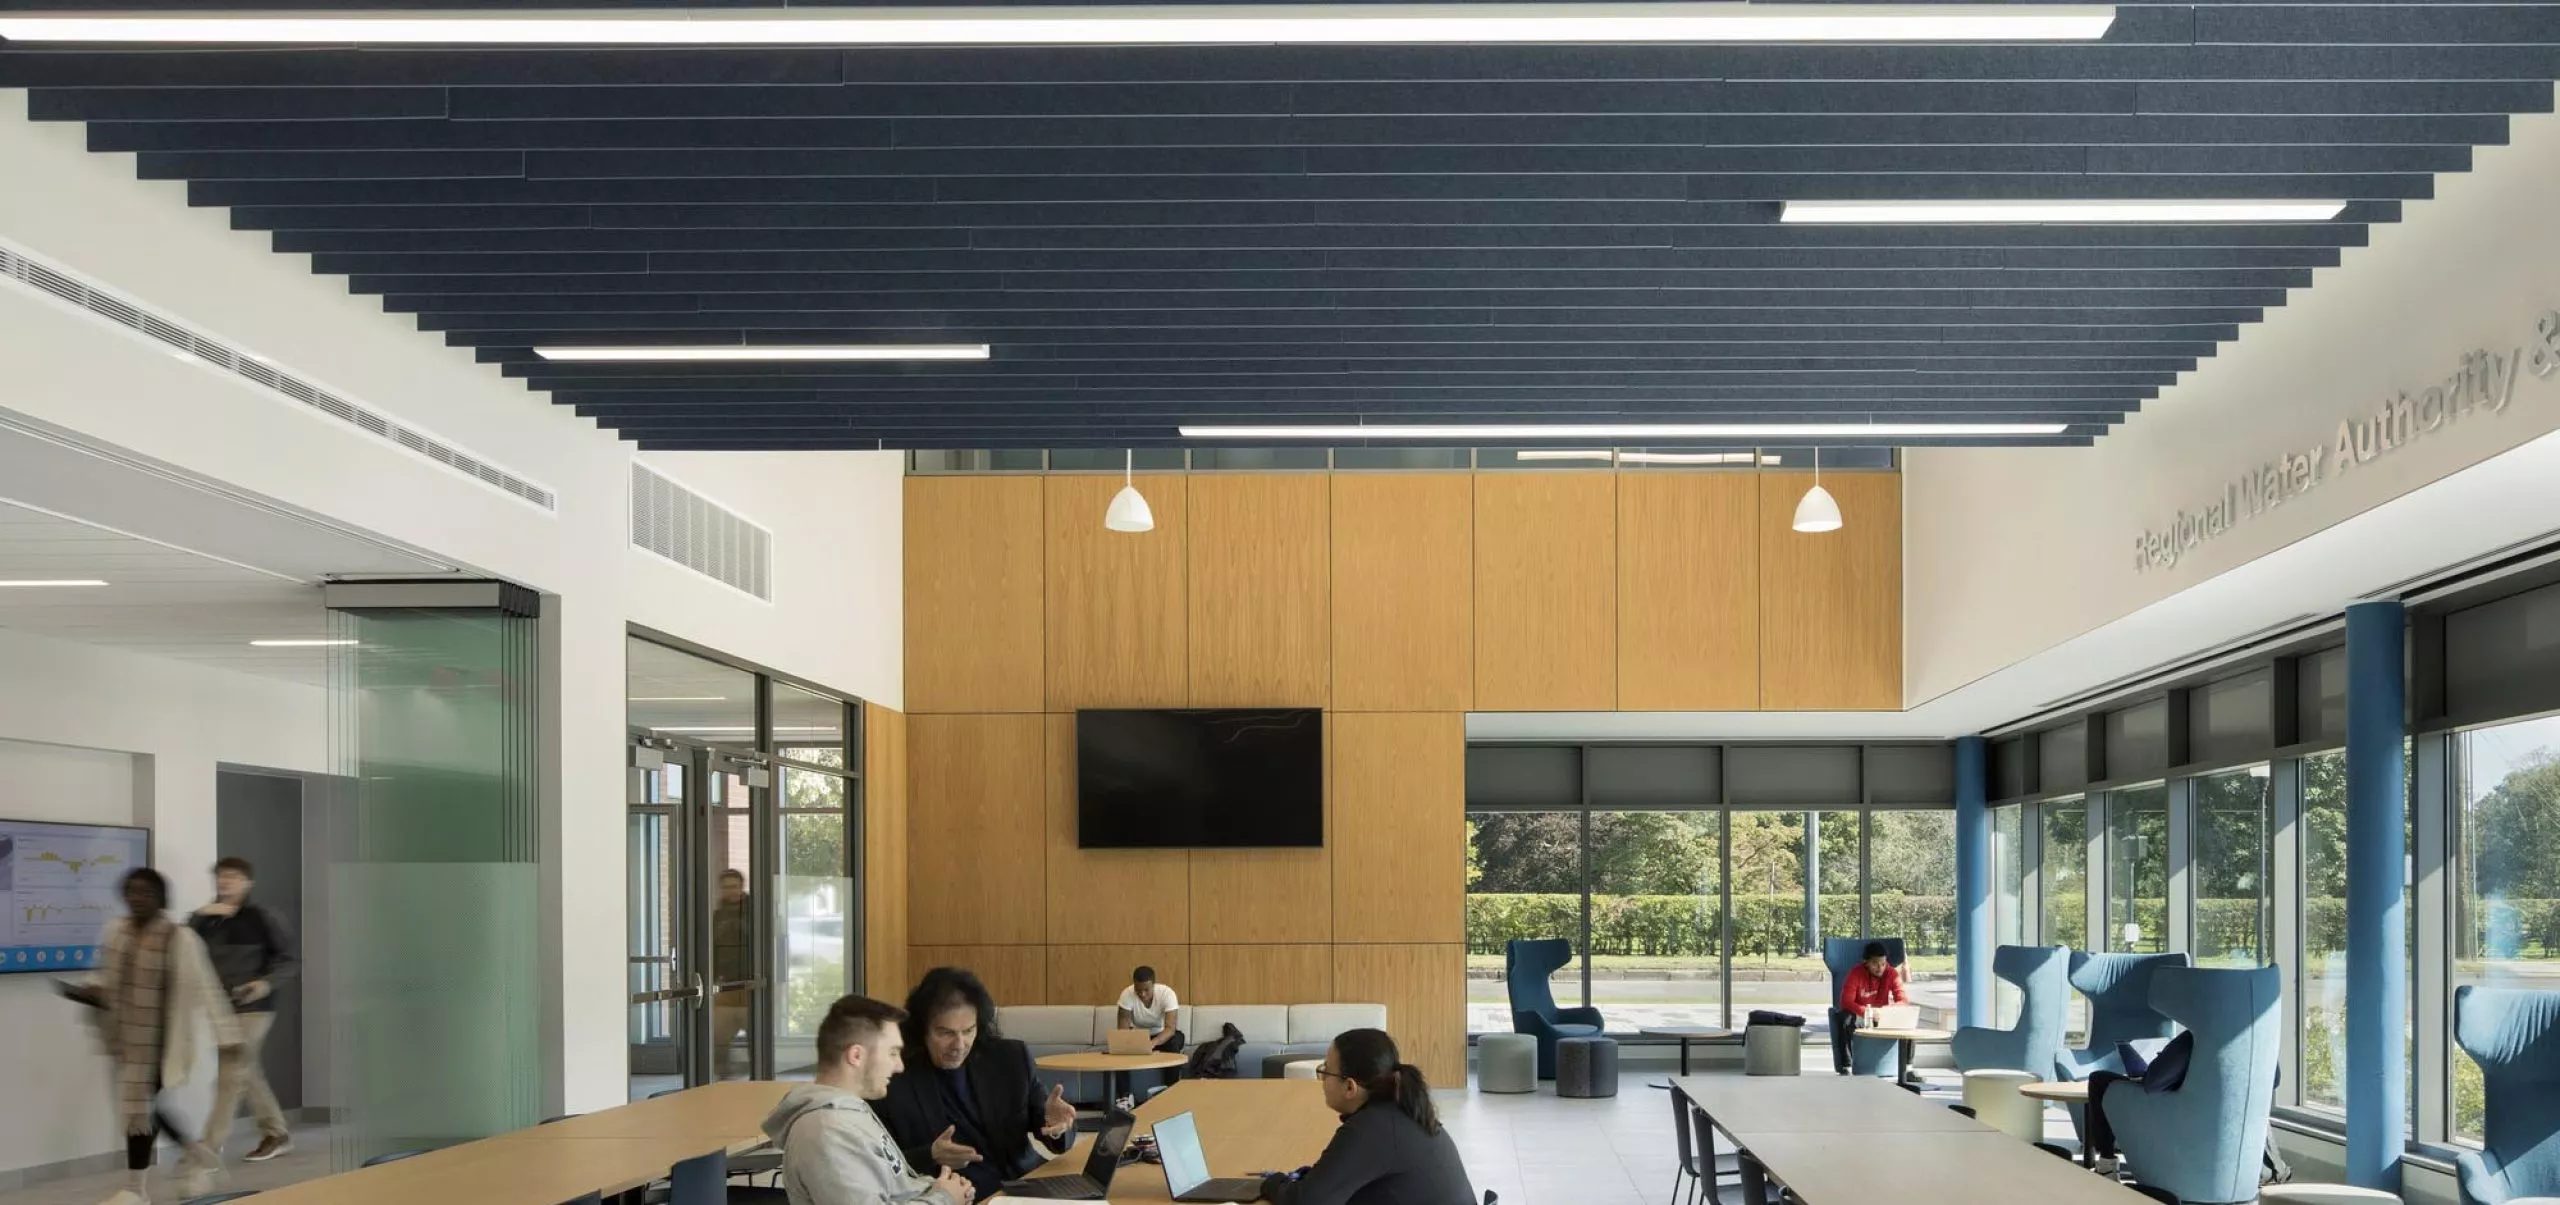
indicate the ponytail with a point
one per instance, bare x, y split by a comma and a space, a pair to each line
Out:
1368, 1057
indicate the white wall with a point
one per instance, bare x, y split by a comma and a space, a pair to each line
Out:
97, 736
835, 516
2011, 552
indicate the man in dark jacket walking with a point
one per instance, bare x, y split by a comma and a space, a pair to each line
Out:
252, 951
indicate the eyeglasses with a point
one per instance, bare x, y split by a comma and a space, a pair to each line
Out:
1321, 1073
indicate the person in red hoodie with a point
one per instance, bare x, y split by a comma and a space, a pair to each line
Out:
1872, 984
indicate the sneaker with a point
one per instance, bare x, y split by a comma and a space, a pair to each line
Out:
271, 1146
198, 1182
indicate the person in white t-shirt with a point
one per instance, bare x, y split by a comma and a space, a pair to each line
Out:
1151, 1006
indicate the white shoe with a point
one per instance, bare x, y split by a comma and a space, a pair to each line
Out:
198, 1181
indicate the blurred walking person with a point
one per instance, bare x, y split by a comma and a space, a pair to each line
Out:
251, 949
158, 997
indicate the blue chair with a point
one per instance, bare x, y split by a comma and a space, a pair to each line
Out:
1842, 954
1525, 967
2034, 1045
2514, 1035
2119, 990
2202, 1141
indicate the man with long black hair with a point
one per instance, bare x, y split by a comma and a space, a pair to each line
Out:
969, 1099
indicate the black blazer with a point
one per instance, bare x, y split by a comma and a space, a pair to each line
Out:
1008, 1092
1379, 1157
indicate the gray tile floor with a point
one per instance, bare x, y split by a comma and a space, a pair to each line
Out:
1532, 1149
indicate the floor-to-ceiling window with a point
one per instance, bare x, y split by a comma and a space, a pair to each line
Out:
1777, 957
1911, 892
1657, 923
2506, 876
2137, 887
1524, 882
2062, 901
2008, 899
2229, 869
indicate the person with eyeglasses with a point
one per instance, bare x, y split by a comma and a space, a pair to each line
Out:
1391, 1148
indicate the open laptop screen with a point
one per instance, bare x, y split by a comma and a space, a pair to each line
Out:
1178, 1142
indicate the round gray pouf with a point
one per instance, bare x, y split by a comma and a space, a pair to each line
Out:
1506, 1062
1586, 1067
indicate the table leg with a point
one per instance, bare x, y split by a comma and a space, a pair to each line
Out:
1905, 1072
1684, 1056
702, 1181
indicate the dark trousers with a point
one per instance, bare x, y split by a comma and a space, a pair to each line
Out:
2096, 1133
1172, 1075
1843, 1024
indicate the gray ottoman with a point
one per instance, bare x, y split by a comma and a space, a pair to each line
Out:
1506, 1062
1586, 1067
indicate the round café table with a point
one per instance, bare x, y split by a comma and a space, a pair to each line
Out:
1686, 1034
2063, 1092
1114, 1067
1906, 1039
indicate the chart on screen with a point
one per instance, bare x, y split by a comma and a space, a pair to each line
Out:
61, 883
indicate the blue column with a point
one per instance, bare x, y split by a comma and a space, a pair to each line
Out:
1973, 883
2376, 1076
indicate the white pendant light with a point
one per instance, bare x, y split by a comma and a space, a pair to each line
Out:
1816, 511
1129, 511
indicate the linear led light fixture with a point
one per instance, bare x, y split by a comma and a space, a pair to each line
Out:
47, 583
302, 644
1645, 457
679, 698
1880, 213
1632, 431
1193, 25
707, 355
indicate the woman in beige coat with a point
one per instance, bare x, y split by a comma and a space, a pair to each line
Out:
158, 998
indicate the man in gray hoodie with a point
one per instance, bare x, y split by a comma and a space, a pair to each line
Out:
834, 1149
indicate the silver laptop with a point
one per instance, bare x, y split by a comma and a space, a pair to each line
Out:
1186, 1167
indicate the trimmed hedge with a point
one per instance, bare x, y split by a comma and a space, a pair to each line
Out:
1677, 925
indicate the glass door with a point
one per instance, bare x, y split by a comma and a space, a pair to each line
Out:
666, 985
740, 1047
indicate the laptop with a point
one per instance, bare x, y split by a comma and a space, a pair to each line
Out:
1130, 1041
1898, 1016
1186, 1166
1091, 1184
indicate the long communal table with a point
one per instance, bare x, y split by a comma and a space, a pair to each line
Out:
1840, 1140
1245, 1125
686, 1136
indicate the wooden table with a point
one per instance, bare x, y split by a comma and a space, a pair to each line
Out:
688, 1135
1984, 1167
2069, 1091
1906, 1038
1746, 1106
1686, 1034
1115, 1067
1246, 1126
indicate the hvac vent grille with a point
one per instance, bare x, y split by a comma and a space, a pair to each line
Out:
16, 266
699, 534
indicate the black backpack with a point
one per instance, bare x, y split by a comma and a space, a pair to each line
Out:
1216, 1058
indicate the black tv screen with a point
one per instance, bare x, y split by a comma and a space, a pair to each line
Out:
1199, 779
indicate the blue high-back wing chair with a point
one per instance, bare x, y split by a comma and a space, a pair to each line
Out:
2203, 1140
2034, 1045
1525, 967
2515, 1037
2119, 990
1841, 954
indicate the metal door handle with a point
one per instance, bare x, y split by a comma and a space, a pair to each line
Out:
699, 995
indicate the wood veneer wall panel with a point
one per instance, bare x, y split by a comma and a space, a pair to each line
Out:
975, 829
1399, 833
974, 609
884, 849
1425, 990
1106, 895
1831, 602
1116, 635
1546, 591
1688, 592
1095, 974
1403, 591
1290, 974
1260, 619
1013, 974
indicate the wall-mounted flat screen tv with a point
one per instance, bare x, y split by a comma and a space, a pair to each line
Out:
61, 884
1200, 779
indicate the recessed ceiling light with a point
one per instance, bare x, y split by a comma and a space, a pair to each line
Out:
1999, 212
47, 583
301, 644
1280, 24
885, 351
1634, 431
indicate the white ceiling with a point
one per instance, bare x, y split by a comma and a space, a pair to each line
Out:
194, 571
